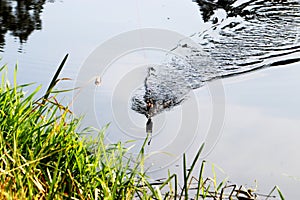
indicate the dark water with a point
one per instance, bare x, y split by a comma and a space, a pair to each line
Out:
19, 19
253, 35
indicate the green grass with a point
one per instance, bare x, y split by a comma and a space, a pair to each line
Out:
43, 155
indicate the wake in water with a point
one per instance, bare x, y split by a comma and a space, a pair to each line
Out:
254, 35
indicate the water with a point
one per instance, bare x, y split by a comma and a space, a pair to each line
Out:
250, 122
258, 34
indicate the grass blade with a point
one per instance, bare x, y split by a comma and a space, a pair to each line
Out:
54, 79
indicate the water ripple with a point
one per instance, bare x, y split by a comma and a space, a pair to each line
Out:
255, 34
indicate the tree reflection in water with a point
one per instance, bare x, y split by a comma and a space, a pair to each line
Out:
20, 18
208, 8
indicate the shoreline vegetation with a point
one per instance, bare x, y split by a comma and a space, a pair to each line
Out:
43, 155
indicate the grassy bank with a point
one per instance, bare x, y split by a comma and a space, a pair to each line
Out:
44, 156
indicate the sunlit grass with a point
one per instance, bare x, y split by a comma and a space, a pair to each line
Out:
43, 155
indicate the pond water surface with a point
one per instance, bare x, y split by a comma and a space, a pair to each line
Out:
205, 87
